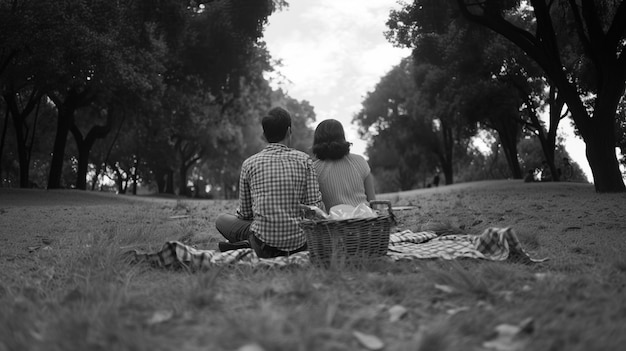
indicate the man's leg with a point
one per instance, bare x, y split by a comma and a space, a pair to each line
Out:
263, 250
233, 228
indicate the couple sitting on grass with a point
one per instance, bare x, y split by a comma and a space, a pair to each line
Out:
274, 182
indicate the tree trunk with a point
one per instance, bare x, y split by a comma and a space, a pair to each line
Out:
66, 108
598, 133
135, 173
84, 149
556, 105
119, 181
445, 157
3, 139
513, 161
21, 150
65, 116
508, 140
21, 130
165, 180
94, 179
83, 165
159, 176
448, 173
103, 166
182, 171
85, 145
169, 182
600, 152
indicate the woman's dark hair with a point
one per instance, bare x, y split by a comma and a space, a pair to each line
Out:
275, 124
329, 141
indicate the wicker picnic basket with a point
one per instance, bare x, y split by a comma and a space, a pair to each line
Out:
348, 240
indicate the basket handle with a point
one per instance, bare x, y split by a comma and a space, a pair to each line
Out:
373, 203
309, 212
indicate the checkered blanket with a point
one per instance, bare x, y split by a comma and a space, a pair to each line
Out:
496, 244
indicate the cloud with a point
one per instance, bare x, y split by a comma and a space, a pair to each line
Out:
333, 52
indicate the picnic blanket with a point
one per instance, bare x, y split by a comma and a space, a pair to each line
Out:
495, 244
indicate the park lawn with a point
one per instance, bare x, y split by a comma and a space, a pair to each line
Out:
65, 283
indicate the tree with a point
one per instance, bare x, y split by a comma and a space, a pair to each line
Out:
218, 51
498, 109
621, 133
20, 107
23, 51
394, 170
487, 81
106, 67
383, 110
592, 85
118, 64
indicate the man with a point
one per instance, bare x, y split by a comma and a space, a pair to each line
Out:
272, 184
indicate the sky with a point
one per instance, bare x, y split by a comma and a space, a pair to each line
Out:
333, 53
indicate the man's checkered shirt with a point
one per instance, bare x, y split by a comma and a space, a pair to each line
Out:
272, 184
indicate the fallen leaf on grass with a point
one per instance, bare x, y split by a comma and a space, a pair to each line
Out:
453, 311
160, 317
48, 272
507, 295
251, 347
511, 337
178, 217
485, 305
445, 288
396, 313
371, 342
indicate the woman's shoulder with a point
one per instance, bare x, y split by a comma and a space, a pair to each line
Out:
356, 157
359, 163
350, 158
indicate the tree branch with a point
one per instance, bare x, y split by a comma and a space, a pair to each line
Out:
6, 62
596, 37
580, 29
520, 37
618, 28
100, 132
545, 31
78, 135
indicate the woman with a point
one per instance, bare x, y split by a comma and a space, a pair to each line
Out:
344, 178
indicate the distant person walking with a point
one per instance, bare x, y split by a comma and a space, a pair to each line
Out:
344, 178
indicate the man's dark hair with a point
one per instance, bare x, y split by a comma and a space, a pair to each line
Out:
329, 141
275, 124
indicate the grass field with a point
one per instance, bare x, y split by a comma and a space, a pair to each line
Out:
65, 285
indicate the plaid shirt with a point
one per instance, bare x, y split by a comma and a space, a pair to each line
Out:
272, 184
